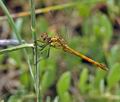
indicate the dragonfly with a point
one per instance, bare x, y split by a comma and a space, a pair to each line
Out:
57, 41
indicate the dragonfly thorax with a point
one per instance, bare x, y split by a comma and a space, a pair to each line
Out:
55, 42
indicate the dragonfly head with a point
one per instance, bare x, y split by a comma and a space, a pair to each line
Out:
44, 37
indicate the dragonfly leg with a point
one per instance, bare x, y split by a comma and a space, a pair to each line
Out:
42, 47
39, 59
47, 55
48, 52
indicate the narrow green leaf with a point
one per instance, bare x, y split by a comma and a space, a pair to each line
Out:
100, 75
102, 29
83, 79
114, 75
63, 84
66, 97
113, 55
47, 79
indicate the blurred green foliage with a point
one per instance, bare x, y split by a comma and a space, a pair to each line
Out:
64, 77
63, 86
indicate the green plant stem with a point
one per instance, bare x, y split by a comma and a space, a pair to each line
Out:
12, 24
10, 20
16, 48
105, 96
37, 72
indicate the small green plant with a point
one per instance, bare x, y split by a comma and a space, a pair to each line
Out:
63, 77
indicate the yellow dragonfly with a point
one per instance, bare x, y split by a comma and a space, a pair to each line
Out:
58, 42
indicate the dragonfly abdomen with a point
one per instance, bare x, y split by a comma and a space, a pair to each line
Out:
70, 50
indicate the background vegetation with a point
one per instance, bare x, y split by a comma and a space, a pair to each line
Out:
92, 27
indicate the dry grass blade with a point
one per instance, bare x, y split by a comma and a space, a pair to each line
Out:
38, 11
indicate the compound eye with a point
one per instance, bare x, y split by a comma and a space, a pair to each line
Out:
41, 36
44, 39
